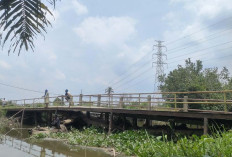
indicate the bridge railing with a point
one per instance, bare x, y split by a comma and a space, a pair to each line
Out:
207, 100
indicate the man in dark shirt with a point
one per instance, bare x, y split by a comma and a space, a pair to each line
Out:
56, 122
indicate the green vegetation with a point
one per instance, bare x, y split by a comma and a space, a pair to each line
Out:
193, 77
21, 21
141, 144
58, 102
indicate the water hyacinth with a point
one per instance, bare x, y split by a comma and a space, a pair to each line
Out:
140, 143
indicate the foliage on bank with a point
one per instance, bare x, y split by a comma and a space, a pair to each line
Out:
193, 77
141, 144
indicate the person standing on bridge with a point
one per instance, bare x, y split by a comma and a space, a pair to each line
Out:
46, 98
3, 102
68, 97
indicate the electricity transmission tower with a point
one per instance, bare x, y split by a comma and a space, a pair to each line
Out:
158, 62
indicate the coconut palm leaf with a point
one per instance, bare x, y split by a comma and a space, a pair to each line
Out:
21, 21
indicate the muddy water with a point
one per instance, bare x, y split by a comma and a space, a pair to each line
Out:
16, 144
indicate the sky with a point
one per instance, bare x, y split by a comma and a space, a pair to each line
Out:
96, 44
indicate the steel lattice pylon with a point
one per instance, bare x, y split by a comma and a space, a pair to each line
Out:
158, 62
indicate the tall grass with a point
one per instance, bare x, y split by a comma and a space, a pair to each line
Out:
140, 143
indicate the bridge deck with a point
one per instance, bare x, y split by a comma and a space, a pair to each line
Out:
192, 113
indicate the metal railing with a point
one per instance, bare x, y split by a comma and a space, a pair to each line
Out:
143, 101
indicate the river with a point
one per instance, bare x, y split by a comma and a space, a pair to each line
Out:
16, 144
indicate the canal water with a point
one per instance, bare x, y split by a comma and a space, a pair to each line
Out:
16, 144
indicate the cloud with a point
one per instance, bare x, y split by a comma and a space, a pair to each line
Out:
207, 8
106, 31
80, 9
4, 65
59, 75
2, 77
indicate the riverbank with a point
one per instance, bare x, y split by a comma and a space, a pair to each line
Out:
140, 143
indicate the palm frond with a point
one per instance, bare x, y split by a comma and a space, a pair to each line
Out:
22, 21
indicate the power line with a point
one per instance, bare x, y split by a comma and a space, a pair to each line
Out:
204, 28
131, 66
180, 60
183, 48
175, 66
25, 89
176, 41
195, 44
147, 70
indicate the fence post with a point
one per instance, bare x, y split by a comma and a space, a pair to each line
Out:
98, 100
121, 102
149, 101
80, 99
33, 105
225, 105
46, 100
185, 106
108, 100
139, 98
175, 100
71, 101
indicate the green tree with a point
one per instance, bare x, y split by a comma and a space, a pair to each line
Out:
22, 20
58, 102
192, 77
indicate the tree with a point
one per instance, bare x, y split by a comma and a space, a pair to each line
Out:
193, 77
21, 21
109, 90
58, 102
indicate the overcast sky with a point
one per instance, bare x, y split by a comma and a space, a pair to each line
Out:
101, 43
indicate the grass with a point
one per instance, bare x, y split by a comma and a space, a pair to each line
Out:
140, 143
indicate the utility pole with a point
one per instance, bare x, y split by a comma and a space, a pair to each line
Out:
158, 62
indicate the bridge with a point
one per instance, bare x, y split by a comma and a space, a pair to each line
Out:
105, 109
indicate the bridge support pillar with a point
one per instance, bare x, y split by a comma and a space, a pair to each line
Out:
35, 118
148, 122
110, 123
107, 118
124, 123
88, 114
49, 118
135, 122
206, 126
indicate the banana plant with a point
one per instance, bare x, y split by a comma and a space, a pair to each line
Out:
21, 21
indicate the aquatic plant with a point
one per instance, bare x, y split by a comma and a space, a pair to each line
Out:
141, 144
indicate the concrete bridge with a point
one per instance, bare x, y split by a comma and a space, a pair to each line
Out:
113, 111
